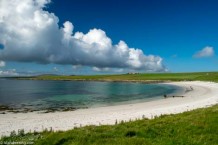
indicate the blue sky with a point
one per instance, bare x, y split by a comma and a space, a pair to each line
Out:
175, 30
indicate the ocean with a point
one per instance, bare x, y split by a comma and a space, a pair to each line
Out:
42, 94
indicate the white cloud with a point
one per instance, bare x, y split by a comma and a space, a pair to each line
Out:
205, 52
31, 34
76, 67
97, 69
11, 72
55, 69
2, 63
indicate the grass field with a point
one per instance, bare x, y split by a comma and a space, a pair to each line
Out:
203, 76
196, 127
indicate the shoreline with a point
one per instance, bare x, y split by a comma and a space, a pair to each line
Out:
204, 94
26, 108
100, 80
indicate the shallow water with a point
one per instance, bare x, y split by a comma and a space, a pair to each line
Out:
40, 95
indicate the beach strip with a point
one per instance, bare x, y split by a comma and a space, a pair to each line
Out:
202, 94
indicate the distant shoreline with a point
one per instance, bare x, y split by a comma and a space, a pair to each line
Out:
204, 94
98, 80
139, 77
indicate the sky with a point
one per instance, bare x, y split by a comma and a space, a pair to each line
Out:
103, 37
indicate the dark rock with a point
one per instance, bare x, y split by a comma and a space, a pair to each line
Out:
69, 109
5, 108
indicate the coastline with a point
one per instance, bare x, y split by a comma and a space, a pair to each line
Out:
43, 107
204, 94
98, 80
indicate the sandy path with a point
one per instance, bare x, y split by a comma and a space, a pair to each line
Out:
203, 95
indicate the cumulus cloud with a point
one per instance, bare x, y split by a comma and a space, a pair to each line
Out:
205, 52
2, 63
97, 69
31, 34
11, 72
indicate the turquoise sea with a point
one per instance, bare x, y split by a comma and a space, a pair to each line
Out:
40, 95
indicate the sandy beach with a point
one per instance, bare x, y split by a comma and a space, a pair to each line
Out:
204, 94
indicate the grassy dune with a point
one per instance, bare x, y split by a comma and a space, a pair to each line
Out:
195, 127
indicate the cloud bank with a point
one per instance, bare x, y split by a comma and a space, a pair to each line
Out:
28, 33
10, 72
205, 52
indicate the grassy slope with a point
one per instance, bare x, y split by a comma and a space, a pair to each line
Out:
195, 127
209, 76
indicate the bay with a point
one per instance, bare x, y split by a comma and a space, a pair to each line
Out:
40, 95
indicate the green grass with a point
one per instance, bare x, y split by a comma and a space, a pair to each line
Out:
196, 127
203, 76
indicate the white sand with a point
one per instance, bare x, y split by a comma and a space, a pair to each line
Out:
204, 94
